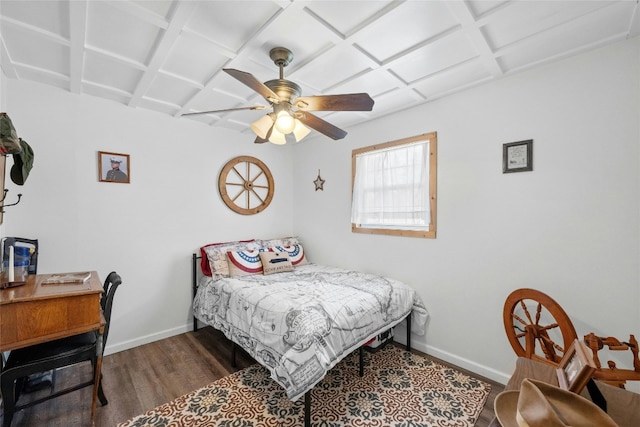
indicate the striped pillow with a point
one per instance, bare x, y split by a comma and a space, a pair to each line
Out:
244, 263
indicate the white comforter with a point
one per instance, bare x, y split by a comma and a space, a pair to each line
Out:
299, 324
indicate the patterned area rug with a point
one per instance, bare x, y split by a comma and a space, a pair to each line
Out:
398, 389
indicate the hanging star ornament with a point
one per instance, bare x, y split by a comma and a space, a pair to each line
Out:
319, 182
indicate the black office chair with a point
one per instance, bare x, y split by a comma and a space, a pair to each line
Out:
56, 354
21, 241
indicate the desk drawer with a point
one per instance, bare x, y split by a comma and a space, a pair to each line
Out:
29, 322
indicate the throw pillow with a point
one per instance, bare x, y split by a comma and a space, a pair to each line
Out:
244, 263
275, 262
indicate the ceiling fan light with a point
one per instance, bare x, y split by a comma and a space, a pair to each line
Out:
277, 137
261, 126
285, 122
300, 131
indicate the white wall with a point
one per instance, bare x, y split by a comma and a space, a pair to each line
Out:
146, 230
570, 228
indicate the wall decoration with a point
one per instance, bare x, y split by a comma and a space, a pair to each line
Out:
114, 167
517, 156
246, 185
319, 182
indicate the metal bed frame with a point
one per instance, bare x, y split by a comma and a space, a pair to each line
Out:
307, 395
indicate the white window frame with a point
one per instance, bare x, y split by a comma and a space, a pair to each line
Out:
395, 229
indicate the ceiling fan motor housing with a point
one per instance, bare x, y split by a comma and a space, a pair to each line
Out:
285, 89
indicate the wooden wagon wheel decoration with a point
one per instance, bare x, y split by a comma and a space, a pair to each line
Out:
537, 327
246, 185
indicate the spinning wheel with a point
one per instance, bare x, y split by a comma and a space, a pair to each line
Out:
246, 185
537, 327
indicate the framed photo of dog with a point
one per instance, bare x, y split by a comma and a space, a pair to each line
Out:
114, 167
576, 367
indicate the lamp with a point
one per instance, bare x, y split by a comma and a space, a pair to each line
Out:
285, 122
275, 126
261, 126
277, 137
300, 130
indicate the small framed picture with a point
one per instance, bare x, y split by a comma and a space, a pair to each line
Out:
114, 167
576, 367
517, 156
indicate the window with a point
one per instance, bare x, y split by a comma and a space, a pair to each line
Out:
394, 187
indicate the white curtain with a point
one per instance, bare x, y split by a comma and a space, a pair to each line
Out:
391, 187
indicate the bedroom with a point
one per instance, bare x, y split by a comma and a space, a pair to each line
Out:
570, 228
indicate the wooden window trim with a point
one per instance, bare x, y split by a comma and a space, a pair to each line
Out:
433, 174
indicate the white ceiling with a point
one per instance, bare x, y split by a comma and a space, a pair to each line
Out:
168, 55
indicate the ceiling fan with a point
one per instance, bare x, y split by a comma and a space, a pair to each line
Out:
291, 112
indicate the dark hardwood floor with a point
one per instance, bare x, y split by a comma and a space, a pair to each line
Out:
144, 377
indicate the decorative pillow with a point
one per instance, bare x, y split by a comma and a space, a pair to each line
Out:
244, 263
295, 253
275, 262
214, 256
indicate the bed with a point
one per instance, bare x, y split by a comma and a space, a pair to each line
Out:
296, 318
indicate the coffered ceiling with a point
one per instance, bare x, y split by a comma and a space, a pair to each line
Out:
168, 55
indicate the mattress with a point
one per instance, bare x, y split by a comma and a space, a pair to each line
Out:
299, 324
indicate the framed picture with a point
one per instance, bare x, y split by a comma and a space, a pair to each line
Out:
517, 156
576, 367
114, 167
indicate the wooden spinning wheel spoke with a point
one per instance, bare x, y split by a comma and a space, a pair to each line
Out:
519, 319
547, 345
526, 312
242, 168
549, 327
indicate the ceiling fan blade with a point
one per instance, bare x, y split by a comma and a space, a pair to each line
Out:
260, 140
321, 126
346, 102
253, 107
255, 84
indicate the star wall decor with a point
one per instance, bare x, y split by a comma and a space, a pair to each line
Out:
319, 182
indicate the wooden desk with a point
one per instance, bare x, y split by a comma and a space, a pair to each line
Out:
35, 313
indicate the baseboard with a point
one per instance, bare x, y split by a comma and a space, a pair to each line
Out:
476, 368
399, 336
126, 345
492, 374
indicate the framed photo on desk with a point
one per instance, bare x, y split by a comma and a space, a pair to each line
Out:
576, 367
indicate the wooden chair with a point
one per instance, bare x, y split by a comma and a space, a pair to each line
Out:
27, 361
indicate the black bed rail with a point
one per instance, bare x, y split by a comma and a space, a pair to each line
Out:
194, 284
